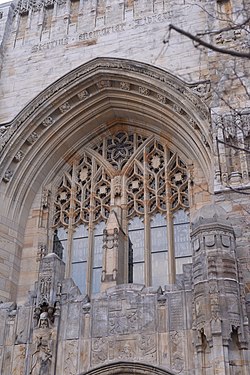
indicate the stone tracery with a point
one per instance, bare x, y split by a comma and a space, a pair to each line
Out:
152, 180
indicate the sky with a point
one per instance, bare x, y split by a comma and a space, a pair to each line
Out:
4, 1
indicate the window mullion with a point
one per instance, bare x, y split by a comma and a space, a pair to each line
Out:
90, 234
124, 223
147, 250
170, 227
68, 268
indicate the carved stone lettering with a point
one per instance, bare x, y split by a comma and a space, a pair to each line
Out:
176, 311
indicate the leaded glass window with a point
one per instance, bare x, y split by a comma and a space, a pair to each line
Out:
136, 236
147, 183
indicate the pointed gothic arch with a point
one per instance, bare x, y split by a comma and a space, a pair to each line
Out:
100, 93
99, 96
126, 368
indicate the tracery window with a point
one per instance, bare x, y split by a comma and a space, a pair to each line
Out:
148, 184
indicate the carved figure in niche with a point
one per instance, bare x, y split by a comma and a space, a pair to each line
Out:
42, 356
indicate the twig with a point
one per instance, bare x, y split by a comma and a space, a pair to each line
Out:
208, 45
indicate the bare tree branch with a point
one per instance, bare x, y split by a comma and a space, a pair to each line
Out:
208, 45
235, 26
233, 146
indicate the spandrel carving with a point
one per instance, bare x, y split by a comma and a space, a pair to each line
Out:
99, 351
18, 365
177, 351
70, 362
147, 347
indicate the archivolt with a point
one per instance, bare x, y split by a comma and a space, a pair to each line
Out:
103, 93
127, 368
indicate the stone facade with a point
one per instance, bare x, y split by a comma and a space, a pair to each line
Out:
124, 189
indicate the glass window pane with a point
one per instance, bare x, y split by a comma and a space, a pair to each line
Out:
136, 236
62, 234
159, 239
159, 269
181, 234
182, 240
158, 234
159, 246
97, 257
81, 231
138, 273
137, 240
80, 249
99, 228
180, 217
98, 250
96, 280
136, 223
80, 244
158, 220
79, 274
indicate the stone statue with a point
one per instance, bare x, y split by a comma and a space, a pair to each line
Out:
42, 356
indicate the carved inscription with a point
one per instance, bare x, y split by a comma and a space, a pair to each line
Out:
176, 312
103, 32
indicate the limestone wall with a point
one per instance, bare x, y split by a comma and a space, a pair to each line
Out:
45, 43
